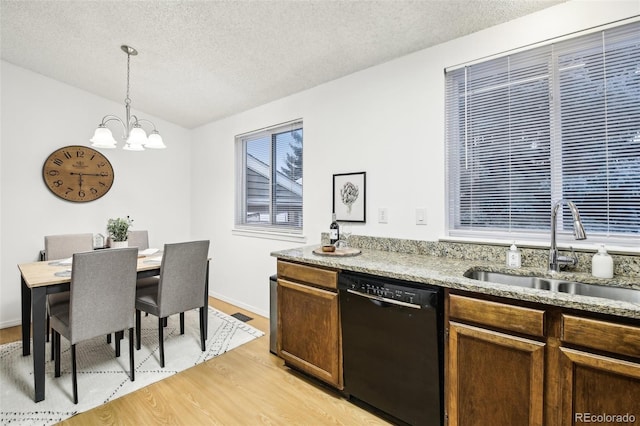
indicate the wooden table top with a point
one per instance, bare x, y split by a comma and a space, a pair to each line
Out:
38, 274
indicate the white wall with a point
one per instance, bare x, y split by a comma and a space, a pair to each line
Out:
40, 115
387, 120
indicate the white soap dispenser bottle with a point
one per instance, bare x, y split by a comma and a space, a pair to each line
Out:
602, 264
514, 258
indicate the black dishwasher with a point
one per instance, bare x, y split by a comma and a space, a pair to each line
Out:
392, 339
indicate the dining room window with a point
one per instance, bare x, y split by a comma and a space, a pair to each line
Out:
558, 121
269, 179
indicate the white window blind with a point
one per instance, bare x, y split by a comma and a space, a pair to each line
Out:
552, 122
269, 179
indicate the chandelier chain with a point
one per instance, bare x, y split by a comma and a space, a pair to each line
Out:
127, 100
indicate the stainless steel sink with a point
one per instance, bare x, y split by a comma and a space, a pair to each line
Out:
517, 280
562, 286
593, 290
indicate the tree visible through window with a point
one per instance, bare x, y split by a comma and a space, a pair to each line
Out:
558, 121
270, 178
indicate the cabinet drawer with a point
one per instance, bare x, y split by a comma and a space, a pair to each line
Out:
499, 315
603, 335
308, 274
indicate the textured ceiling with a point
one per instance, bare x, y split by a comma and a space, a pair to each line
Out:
200, 61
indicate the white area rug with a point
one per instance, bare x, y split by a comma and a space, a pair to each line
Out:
101, 376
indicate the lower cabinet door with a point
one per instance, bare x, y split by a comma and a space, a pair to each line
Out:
493, 378
309, 331
599, 390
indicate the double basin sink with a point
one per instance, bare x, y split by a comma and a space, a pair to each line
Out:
557, 285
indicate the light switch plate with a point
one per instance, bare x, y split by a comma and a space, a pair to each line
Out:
421, 216
383, 215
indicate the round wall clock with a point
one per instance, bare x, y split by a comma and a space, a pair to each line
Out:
77, 173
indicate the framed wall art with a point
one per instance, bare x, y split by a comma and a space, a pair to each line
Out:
349, 196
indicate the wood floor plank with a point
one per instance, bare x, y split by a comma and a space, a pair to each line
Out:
247, 386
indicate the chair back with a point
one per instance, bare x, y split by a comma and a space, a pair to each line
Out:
139, 239
182, 277
65, 245
102, 293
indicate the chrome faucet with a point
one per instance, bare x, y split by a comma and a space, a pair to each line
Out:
555, 260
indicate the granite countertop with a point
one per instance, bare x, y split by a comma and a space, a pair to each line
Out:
449, 272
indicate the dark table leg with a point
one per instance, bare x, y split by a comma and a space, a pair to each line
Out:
26, 317
38, 307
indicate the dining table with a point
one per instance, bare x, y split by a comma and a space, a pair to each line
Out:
54, 276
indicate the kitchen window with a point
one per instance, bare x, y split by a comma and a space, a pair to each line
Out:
269, 180
558, 121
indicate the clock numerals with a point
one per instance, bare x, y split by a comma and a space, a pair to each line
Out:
57, 183
81, 194
67, 154
93, 191
58, 162
68, 191
53, 172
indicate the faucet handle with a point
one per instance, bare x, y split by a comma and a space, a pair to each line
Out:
570, 261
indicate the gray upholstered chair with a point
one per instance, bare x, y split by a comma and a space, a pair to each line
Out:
181, 288
139, 239
102, 298
62, 247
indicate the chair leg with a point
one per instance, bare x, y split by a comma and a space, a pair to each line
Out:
181, 322
75, 374
138, 322
202, 336
55, 340
161, 340
132, 365
116, 337
109, 338
165, 321
52, 344
49, 330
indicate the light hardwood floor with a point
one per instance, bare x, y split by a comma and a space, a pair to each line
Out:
247, 386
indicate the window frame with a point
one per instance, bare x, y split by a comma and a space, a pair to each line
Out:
270, 229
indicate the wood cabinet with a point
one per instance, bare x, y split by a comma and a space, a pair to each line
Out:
494, 377
600, 371
309, 337
536, 364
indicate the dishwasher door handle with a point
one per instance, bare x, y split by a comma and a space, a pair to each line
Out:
378, 300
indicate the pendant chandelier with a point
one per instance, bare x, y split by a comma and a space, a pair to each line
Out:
135, 137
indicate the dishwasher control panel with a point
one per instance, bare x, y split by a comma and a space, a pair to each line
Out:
387, 291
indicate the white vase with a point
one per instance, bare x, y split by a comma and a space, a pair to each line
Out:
119, 244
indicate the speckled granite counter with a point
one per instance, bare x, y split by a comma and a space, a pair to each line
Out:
447, 271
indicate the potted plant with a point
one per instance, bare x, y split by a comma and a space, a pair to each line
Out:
118, 230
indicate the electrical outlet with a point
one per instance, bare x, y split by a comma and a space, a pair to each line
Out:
383, 215
421, 216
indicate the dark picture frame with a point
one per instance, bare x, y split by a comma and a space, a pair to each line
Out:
349, 197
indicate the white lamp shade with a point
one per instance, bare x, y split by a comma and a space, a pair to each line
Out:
155, 141
133, 147
137, 136
102, 138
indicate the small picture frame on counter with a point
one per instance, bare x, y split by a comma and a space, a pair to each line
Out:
349, 196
